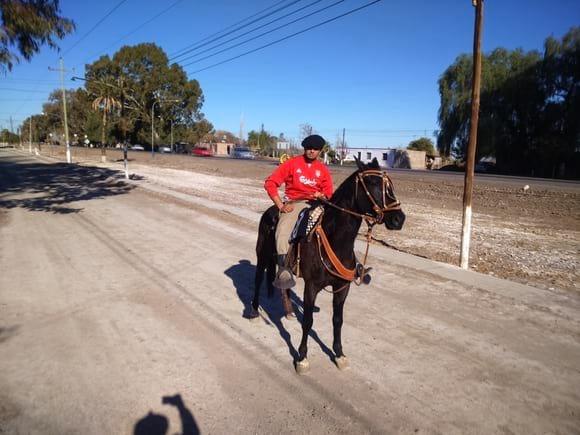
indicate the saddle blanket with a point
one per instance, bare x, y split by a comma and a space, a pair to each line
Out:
306, 222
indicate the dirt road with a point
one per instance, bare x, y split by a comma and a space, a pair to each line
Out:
529, 235
114, 295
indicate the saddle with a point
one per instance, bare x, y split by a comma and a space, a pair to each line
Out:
307, 226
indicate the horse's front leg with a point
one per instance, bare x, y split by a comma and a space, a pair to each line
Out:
338, 300
310, 293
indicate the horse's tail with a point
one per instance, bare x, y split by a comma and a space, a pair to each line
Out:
266, 249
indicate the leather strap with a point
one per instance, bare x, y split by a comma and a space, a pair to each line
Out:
343, 272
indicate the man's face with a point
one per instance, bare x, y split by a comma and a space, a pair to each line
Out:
311, 153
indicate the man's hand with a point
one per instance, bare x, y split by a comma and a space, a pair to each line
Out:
286, 208
319, 195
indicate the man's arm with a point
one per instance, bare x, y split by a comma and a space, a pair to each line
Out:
273, 182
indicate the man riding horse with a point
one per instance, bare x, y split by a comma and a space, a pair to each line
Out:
305, 179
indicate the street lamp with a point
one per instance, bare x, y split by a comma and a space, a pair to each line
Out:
153, 121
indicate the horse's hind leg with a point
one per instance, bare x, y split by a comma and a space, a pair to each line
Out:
337, 317
270, 276
302, 364
257, 284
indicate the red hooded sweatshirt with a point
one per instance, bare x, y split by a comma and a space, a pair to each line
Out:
302, 179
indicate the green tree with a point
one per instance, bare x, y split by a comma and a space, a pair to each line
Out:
7, 136
262, 142
149, 77
106, 103
26, 26
422, 144
529, 108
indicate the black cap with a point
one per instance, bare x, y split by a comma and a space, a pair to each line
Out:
313, 141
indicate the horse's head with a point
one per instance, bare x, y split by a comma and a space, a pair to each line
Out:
375, 195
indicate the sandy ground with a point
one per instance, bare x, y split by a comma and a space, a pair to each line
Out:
115, 295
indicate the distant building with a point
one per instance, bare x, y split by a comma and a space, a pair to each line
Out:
218, 148
388, 157
282, 145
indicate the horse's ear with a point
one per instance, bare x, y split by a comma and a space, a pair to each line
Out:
374, 163
361, 165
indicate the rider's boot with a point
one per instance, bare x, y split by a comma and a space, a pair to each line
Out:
284, 279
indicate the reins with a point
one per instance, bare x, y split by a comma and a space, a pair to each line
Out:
342, 272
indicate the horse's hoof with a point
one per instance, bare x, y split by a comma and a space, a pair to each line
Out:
342, 363
302, 366
254, 316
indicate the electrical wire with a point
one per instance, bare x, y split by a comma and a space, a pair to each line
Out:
260, 35
286, 37
108, 14
188, 49
139, 27
22, 90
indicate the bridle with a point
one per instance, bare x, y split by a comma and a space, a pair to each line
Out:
386, 189
387, 194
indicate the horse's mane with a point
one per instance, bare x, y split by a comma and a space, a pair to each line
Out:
344, 194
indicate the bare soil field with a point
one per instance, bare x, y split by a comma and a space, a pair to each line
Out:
531, 236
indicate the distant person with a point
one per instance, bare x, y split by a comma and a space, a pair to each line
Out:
305, 178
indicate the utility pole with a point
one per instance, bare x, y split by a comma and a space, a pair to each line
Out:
242, 128
152, 122
30, 135
171, 126
343, 149
472, 145
62, 71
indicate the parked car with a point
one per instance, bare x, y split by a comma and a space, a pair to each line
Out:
137, 147
242, 153
202, 152
164, 149
485, 167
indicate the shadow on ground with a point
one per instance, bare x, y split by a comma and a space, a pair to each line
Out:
158, 424
272, 312
52, 187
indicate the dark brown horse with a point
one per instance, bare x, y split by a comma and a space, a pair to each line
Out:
367, 195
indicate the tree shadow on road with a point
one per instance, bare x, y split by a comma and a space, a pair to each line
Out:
242, 276
158, 424
52, 187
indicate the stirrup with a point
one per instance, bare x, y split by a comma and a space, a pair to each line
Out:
363, 273
284, 283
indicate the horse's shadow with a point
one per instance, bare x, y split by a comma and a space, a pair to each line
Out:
242, 276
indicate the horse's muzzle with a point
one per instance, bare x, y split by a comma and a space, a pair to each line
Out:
394, 220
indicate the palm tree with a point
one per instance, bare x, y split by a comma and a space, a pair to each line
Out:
107, 103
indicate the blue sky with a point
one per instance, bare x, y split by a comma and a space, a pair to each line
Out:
373, 72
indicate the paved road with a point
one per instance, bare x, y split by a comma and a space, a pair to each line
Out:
113, 296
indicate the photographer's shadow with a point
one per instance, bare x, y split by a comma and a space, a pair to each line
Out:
158, 424
272, 311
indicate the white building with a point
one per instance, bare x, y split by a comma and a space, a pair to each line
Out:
388, 157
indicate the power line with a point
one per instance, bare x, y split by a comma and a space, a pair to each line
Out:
22, 99
137, 28
188, 49
10, 79
261, 34
22, 90
95, 26
287, 37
